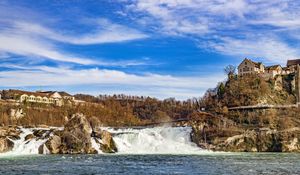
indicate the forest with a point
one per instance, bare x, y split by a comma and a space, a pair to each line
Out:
115, 110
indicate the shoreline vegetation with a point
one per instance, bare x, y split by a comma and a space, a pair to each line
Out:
214, 125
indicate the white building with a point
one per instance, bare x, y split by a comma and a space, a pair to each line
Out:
248, 67
46, 97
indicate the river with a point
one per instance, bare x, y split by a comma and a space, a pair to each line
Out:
159, 150
214, 163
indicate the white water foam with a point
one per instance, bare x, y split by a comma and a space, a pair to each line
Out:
95, 144
22, 147
157, 140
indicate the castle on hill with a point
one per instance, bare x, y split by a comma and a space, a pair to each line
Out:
274, 72
248, 67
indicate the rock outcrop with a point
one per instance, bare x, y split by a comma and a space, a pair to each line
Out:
11, 132
16, 114
76, 138
256, 140
7, 136
107, 145
5, 145
221, 134
29, 137
53, 145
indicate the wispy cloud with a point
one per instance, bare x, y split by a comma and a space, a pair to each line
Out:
36, 48
65, 76
270, 48
268, 22
34, 40
218, 15
104, 32
28, 36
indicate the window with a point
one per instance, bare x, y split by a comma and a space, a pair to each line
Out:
246, 69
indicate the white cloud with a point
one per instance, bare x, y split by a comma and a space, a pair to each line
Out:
267, 47
217, 15
51, 76
166, 14
28, 37
36, 48
105, 32
34, 40
198, 17
279, 13
268, 22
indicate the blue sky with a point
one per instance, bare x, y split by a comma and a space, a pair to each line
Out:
170, 48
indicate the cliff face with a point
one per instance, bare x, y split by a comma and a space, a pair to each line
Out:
251, 130
219, 136
260, 140
251, 90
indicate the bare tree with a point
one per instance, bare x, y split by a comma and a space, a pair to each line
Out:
230, 69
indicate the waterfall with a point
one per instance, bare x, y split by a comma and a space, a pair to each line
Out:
23, 147
157, 140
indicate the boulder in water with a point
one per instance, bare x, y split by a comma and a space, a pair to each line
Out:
95, 123
42, 133
9, 131
6, 145
78, 121
76, 137
52, 145
108, 145
29, 137
43, 149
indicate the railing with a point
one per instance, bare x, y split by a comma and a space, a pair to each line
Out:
266, 106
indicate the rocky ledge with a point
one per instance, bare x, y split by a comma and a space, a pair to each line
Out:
217, 134
7, 135
77, 137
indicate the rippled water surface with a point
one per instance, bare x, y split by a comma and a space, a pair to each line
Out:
215, 163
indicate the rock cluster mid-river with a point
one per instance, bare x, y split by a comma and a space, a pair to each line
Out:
79, 137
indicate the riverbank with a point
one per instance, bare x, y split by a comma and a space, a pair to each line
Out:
222, 134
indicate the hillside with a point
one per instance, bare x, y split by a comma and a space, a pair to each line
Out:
258, 130
250, 90
118, 110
